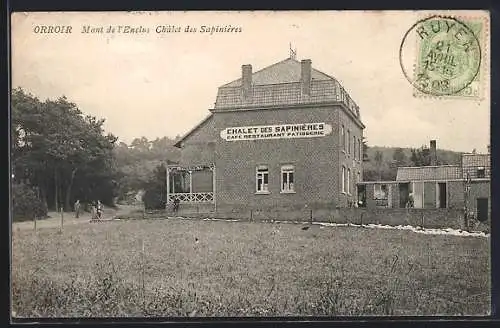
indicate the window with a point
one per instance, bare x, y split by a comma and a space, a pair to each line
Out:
287, 178
360, 157
348, 142
354, 146
262, 179
349, 181
343, 138
343, 179
481, 172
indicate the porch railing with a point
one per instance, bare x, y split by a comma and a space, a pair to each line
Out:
195, 197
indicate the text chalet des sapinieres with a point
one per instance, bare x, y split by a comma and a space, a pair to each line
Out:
128, 29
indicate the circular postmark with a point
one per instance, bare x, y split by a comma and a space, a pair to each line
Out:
440, 56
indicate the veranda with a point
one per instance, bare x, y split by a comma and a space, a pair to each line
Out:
191, 184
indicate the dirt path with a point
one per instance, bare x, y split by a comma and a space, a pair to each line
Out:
54, 220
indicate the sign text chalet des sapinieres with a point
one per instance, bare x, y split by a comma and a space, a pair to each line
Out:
280, 131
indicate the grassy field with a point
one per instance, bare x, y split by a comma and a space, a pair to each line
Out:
214, 268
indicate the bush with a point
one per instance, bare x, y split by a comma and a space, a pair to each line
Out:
25, 203
153, 199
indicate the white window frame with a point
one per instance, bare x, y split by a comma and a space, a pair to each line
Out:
288, 187
348, 181
261, 171
360, 157
343, 179
343, 138
355, 154
349, 142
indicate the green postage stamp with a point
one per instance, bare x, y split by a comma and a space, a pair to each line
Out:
449, 56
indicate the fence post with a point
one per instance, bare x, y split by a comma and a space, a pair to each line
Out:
422, 223
34, 222
311, 215
251, 215
361, 219
62, 219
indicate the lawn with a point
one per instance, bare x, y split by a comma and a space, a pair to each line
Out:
214, 268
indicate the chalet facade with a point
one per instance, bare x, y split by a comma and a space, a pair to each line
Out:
285, 136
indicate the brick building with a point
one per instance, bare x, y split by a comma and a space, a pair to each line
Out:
287, 135
463, 186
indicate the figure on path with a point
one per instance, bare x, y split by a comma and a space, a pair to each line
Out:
77, 208
93, 214
99, 210
176, 204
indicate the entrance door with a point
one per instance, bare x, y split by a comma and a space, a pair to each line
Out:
361, 195
442, 195
482, 209
404, 191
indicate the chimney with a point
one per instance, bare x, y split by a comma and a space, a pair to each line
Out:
246, 81
433, 153
305, 76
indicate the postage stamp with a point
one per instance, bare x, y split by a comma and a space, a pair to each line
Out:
449, 56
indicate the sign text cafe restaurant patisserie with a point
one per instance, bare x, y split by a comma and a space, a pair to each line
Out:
285, 136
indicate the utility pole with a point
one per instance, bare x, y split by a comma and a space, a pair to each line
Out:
466, 200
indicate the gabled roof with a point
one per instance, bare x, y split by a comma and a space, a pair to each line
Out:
285, 71
442, 172
196, 127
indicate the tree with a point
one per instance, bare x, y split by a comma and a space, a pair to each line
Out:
420, 157
155, 196
379, 158
136, 163
365, 150
399, 157
25, 203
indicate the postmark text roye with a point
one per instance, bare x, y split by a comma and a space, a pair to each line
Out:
448, 58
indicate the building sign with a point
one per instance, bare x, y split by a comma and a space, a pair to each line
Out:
280, 131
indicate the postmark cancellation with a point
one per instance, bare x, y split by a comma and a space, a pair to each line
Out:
449, 59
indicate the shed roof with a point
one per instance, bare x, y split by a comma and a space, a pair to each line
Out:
442, 172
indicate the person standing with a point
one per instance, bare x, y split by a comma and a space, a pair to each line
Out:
99, 210
93, 215
410, 201
176, 204
77, 208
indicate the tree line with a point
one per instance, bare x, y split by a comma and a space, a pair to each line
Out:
59, 155
381, 163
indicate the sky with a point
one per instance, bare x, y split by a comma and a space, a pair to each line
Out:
163, 84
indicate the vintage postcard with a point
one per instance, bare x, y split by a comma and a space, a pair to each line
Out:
250, 164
